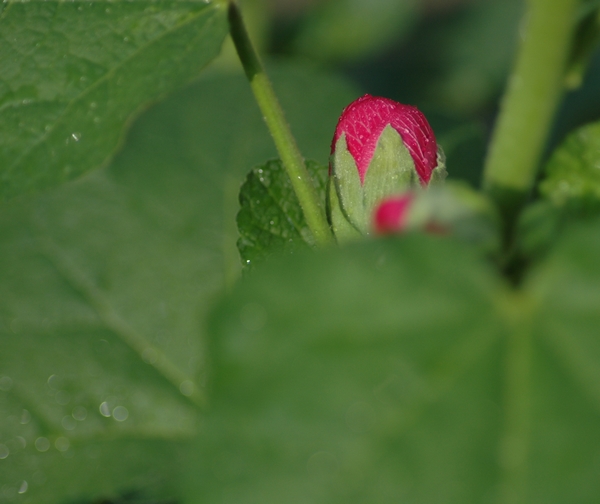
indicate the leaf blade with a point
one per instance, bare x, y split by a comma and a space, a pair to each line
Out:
82, 71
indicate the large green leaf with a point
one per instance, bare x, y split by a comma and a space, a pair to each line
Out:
565, 389
106, 282
366, 374
402, 371
73, 73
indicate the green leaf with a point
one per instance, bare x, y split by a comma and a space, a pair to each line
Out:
106, 282
363, 374
566, 386
74, 73
572, 178
402, 371
270, 218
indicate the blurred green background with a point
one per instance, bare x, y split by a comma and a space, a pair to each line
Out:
450, 58
146, 244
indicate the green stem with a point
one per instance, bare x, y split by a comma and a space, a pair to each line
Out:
533, 93
280, 130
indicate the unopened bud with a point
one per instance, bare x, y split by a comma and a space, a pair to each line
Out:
380, 148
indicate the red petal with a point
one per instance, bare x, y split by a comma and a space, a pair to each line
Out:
363, 121
390, 215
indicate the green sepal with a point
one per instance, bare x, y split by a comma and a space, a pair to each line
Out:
342, 229
439, 173
348, 186
391, 171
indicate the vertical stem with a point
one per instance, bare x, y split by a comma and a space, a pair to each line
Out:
529, 104
280, 130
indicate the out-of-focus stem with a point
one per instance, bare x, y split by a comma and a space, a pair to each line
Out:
529, 104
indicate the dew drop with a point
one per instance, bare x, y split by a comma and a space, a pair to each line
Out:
53, 382
25, 417
150, 355
68, 423
187, 387
4, 451
104, 409
23, 488
79, 413
42, 444
76, 136
62, 444
120, 413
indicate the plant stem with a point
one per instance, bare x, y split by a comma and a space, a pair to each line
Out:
529, 104
280, 130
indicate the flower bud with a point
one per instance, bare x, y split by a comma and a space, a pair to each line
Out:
454, 209
391, 216
380, 148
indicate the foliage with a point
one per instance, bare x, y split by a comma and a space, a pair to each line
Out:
137, 362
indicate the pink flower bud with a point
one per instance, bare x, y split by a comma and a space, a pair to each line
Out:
364, 120
391, 215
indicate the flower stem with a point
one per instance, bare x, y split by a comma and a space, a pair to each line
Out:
280, 130
529, 104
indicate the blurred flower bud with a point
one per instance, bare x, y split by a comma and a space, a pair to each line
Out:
453, 209
380, 148
391, 214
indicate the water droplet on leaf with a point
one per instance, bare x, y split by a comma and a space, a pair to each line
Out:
79, 413
62, 444
42, 444
104, 409
187, 387
120, 413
